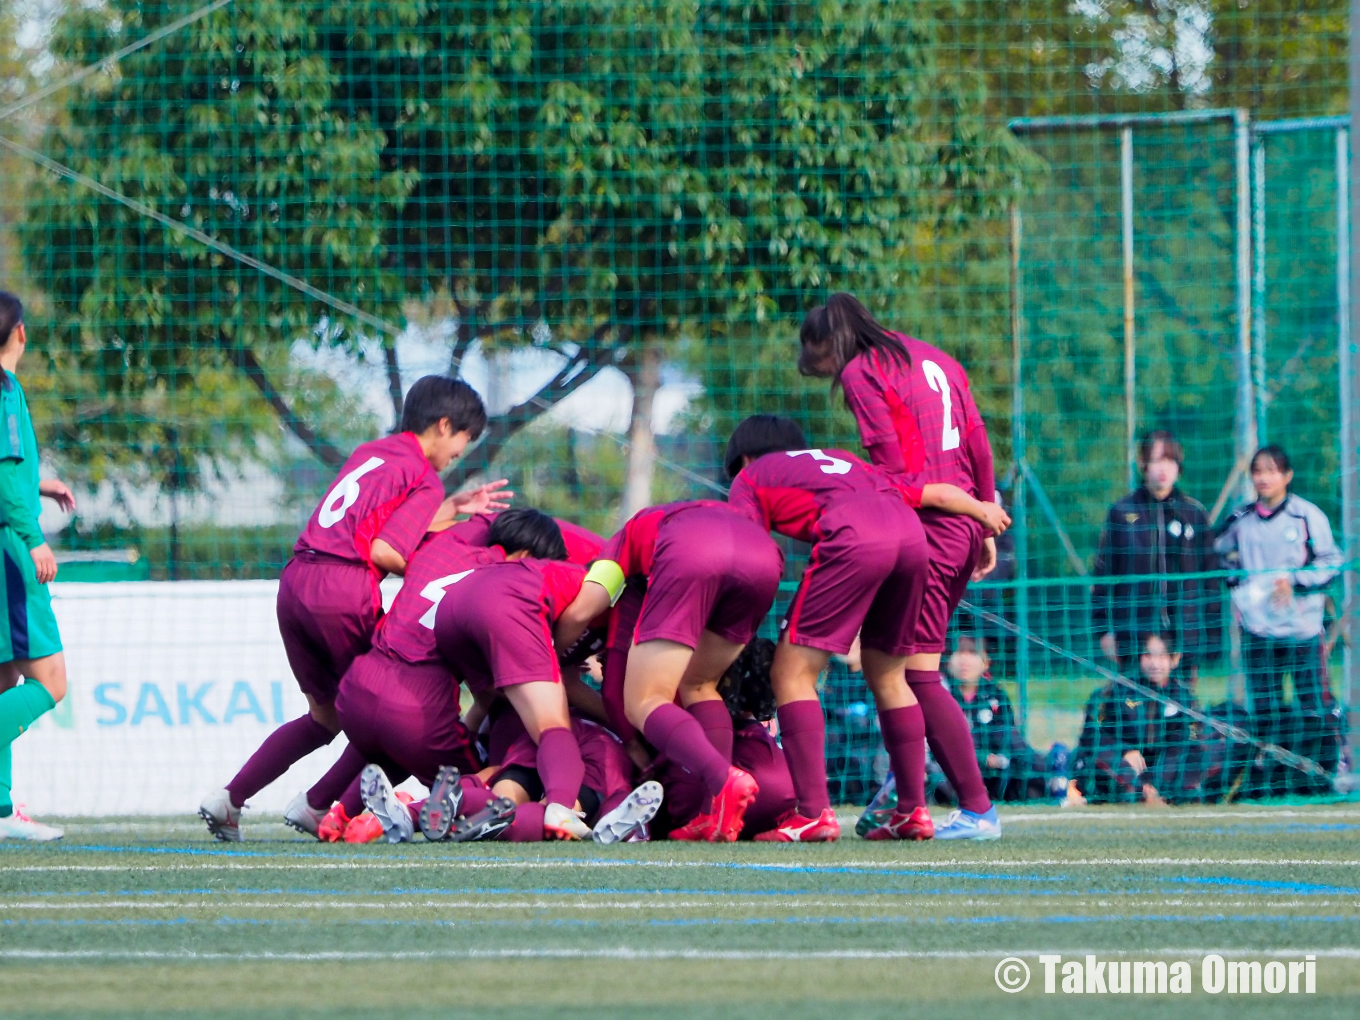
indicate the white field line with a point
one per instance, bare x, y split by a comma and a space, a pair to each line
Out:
229, 902
1143, 816
624, 953
823, 866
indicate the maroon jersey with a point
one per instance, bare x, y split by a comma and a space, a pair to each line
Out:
387, 489
583, 545
788, 492
633, 547
916, 421
407, 630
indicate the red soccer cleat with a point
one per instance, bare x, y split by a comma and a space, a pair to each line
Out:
364, 828
917, 825
722, 823
332, 827
795, 828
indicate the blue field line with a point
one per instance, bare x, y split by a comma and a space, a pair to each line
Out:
1000, 919
1265, 885
792, 869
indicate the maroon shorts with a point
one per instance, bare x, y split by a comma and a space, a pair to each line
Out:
955, 545
615, 665
327, 610
404, 718
712, 569
492, 632
865, 576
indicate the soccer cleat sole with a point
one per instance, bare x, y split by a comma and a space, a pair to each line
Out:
219, 829
381, 800
486, 824
440, 810
631, 817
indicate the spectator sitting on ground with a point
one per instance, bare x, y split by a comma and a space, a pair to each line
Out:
1134, 749
1011, 768
1154, 533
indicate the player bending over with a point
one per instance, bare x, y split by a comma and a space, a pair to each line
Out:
865, 573
710, 576
918, 421
31, 646
494, 630
386, 497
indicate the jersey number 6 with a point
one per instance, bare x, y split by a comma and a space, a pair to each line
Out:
940, 384
344, 494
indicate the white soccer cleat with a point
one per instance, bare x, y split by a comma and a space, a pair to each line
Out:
19, 826
560, 822
627, 823
381, 799
302, 816
223, 817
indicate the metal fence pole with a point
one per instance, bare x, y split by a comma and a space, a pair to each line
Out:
1018, 456
1130, 364
1244, 431
1348, 361
1258, 281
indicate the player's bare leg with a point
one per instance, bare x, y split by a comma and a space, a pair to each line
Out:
802, 731
657, 671
20, 706
542, 707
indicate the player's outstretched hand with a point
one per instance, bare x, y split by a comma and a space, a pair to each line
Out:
44, 563
57, 490
994, 518
485, 499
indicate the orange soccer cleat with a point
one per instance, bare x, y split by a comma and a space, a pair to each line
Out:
917, 825
796, 828
722, 823
331, 829
364, 828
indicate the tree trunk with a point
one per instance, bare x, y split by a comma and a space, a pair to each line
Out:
645, 374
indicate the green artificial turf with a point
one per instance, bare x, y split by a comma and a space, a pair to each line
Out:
149, 918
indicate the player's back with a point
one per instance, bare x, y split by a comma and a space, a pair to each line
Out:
442, 560
789, 491
387, 488
927, 407
634, 544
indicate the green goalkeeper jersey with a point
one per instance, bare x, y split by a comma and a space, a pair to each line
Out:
28, 628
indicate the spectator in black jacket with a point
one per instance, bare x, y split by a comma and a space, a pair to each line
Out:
1157, 532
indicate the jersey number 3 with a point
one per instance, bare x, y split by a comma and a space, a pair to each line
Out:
940, 384
343, 496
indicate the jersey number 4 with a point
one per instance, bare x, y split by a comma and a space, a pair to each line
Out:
434, 592
830, 465
939, 382
344, 495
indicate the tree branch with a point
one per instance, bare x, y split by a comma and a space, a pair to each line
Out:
250, 365
393, 377
588, 363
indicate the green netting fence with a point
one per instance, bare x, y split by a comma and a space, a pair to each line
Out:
244, 228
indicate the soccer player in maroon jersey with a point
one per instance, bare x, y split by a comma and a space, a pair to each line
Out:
918, 421
387, 495
494, 629
710, 577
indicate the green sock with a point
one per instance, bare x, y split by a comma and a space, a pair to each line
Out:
6, 784
20, 707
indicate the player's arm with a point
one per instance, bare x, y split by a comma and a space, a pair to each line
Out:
484, 499
584, 698
16, 511
476, 713
601, 588
387, 559
877, 430
953, 500
56, 490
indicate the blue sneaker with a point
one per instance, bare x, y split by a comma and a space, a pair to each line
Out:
967, 825
880, 809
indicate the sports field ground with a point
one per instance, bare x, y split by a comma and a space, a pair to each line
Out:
149, 918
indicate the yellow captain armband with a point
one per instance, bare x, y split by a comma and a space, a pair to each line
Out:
609, 576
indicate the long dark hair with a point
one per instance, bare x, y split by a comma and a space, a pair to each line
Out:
841, 329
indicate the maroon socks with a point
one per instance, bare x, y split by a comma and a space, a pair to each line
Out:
528, 824
802, 731
331, 787
678, 735
950, 740
560, 766
904, 737
716, 720
290, 743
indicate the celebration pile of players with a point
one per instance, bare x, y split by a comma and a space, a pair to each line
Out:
516, 606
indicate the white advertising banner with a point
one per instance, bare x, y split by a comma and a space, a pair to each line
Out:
172, 685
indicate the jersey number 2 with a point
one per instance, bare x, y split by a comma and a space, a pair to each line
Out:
940, 384
344, 494
434, 592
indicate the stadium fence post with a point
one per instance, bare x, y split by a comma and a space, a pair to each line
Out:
1245, 417
1018, 459
1130, 362
1349, 285
1258, 279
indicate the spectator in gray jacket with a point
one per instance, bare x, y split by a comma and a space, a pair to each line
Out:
1285, 544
